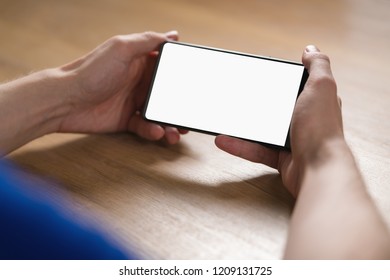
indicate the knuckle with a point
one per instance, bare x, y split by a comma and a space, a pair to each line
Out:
325, 81
117, 42
323, 56
117, 39
148, 35
319, 56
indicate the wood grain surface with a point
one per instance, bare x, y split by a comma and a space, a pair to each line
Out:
192, 201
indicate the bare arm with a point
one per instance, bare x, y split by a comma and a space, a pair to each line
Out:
100, 92
31, 107
334, 217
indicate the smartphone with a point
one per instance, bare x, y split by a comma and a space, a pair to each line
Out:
218, 91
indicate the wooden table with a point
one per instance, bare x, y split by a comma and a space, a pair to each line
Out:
192, 201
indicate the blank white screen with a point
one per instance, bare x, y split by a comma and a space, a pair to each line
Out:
223, 93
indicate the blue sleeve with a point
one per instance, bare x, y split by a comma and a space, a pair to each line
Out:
33, 226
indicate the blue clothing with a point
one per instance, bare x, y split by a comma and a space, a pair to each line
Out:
33, 226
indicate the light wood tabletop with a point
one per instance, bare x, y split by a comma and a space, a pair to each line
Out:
191, 200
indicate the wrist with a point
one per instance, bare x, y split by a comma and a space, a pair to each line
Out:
331, 167
33, 106
53, 87
327, 151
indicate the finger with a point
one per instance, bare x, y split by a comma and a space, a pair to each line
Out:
145, 129
248, 150
320, 73
172, 35
142, 43
149, 64
315, 61
143, 86
183, 131
172, 135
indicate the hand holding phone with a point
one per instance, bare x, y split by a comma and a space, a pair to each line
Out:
223, 92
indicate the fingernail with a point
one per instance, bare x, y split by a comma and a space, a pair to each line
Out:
311, 48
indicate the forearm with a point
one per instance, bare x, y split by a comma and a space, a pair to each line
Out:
334, 217
31, 107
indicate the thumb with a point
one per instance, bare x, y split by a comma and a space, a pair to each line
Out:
317, 63
144, 43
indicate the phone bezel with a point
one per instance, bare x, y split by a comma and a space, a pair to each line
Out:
304, 78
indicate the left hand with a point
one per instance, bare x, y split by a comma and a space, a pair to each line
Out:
110, 87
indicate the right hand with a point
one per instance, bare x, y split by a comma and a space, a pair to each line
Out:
316, 123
